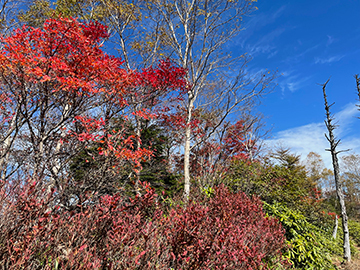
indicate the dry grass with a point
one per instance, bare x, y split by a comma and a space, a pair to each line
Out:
353, 265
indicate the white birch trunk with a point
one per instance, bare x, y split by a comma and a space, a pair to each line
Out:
335, 227
6, 145
187, 162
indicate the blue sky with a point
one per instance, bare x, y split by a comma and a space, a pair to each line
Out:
308, 42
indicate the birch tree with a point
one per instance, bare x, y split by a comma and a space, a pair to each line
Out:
197, 33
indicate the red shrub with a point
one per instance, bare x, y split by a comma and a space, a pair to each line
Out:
227, 231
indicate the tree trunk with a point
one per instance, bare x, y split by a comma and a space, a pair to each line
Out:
339, 189
335, 227
187, 162
6, 144
187, 146
138, 145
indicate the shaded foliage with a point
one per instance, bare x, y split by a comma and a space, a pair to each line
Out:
88, 165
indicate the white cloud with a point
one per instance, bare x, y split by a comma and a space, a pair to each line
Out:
311, 137
328, 59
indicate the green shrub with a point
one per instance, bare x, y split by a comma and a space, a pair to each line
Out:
354, 230
309, 247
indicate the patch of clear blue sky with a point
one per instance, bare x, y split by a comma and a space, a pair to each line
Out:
307, 42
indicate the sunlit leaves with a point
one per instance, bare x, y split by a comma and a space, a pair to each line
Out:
68, 88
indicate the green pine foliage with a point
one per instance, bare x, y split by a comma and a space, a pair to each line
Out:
354, 230
272, 183
155, 171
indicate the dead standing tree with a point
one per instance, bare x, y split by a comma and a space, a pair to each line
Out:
357, 78
339, 189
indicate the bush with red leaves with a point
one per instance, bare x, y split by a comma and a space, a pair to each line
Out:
223, 231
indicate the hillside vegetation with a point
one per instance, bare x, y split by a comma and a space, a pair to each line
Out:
151, 160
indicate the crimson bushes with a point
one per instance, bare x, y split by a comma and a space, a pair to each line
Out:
227, 231
223, 231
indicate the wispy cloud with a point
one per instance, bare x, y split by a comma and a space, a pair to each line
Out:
256, 24
265, 43
258, 48
259, 20
328, 60
330, 40
272, 54
292, 82
311, 138
298, 57
347, 115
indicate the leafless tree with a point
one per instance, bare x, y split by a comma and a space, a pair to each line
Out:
339, 188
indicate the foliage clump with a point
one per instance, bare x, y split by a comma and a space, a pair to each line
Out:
222, 231
310, 247
295, 199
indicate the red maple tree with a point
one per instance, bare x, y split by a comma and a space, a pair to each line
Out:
60, 92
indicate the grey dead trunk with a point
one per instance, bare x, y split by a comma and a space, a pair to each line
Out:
339, 189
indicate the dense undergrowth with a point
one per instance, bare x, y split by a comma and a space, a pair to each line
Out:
222, 231
214, 229
219, 227
242, 222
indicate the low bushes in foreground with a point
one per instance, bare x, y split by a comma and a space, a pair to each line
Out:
223, 230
